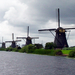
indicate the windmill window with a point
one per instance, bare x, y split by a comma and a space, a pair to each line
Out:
60, 30
63, 30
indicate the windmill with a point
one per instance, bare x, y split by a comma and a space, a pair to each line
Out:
13, 45
60, 37
28, 38
3, 43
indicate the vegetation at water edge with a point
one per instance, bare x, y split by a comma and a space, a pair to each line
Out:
38, 49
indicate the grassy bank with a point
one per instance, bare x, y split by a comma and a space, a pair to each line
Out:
2, 49
34, 50
44, 52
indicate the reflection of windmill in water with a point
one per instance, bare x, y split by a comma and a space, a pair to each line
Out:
60, 37
13, 41
28, 39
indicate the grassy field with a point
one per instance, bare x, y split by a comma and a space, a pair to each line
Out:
66, 51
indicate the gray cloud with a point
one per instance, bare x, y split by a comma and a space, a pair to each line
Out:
41, 11
37, 14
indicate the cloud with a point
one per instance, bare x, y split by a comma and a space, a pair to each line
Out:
16, 15
39, 11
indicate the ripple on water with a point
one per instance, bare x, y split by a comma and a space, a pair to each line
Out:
14, 63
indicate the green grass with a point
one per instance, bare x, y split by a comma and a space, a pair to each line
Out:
69, 48
66, 51
44, 52
2, 49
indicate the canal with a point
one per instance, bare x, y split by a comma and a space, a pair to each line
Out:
14, 63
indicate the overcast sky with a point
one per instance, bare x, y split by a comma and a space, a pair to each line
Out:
16, 15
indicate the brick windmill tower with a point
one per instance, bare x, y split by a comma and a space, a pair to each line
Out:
13, 45
28, 38
60, 37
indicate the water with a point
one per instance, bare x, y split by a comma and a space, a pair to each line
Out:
14, 63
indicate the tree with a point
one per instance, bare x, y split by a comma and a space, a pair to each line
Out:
50, 45
38, 46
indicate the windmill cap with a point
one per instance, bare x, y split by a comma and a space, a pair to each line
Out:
28, 37
60, 29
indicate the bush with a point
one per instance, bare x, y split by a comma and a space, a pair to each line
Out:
18, 47
15, 50
38, 46
71, 54
9, 49
23, 49
28, 48
44, 52
12, 49
58, 52
50, 45
40, 51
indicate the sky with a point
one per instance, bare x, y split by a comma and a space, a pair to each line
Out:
16, 15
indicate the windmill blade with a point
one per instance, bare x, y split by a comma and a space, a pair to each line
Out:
28, 31
34, 37
68, 28
7, 41
13, 36
21, 37
58, 18
17, 40
47, 30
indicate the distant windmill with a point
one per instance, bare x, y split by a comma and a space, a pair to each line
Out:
3, 44
60, 37
28, 39
13, 45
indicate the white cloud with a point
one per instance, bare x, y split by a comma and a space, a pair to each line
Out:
16, 14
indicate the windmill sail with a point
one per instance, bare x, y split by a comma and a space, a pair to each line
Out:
13, 36
34, 37
47, 30
58, 18
21, 37
8, 41
17, 40
28, 31
68, 28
